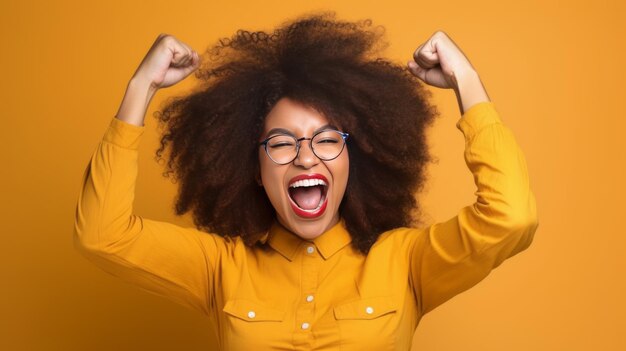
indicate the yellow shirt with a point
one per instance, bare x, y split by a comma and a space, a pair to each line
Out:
291, 294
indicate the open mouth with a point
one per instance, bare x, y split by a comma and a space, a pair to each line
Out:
308, 195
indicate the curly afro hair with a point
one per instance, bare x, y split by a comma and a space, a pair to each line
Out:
212, 133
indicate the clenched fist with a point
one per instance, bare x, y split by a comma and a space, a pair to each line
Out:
438, 62
168, 61
441, 63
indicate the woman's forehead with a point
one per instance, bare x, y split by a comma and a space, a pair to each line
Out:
294, 117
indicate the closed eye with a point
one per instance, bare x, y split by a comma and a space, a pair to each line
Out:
328, 141
279, 145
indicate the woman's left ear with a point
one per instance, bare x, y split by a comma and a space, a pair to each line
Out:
258, 180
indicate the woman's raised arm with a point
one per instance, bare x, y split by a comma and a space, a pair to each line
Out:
171, 261
454, 255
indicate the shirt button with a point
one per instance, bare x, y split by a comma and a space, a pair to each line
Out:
310, 249
305, 325
309, 298
251, 314
369, 310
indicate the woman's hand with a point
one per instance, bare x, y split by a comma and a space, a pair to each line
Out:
441, 63
167, 62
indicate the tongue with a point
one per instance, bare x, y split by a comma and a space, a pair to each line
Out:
307, 197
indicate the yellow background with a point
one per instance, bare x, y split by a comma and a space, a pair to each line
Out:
555, 71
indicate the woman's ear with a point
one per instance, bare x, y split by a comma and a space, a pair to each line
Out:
258, 179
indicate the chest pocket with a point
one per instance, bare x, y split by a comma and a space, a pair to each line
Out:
368, 324
365, 309
252, 325
252, 311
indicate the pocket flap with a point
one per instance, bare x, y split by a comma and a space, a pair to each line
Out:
368, 308
252, 311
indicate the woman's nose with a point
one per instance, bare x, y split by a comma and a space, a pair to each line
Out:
306, 158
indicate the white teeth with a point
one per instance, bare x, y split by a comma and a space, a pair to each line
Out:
307, 182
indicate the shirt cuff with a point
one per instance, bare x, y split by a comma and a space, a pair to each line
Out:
477, 117
124, 134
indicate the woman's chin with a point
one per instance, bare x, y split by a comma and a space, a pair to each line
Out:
308, 228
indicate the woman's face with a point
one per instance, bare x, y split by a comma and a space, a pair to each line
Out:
307, 210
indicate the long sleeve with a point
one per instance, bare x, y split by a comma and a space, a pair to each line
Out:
454, 255
159, 257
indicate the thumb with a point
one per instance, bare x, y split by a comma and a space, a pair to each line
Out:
417, 71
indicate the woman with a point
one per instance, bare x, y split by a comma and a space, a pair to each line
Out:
299, 157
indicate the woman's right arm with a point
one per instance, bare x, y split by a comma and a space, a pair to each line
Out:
160, 257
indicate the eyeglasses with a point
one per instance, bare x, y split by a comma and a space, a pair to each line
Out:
326, 144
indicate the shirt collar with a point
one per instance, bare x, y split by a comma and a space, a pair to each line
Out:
287, 243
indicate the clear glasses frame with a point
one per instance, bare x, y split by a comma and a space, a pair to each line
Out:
297, 141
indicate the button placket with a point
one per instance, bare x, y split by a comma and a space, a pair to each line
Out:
311, 261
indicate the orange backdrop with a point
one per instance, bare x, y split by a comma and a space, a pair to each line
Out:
555, 72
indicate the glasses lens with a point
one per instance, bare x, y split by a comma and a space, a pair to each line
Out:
281, 148
328, 145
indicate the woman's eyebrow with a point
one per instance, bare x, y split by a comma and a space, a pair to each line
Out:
326, 126
285, 131
278, 131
